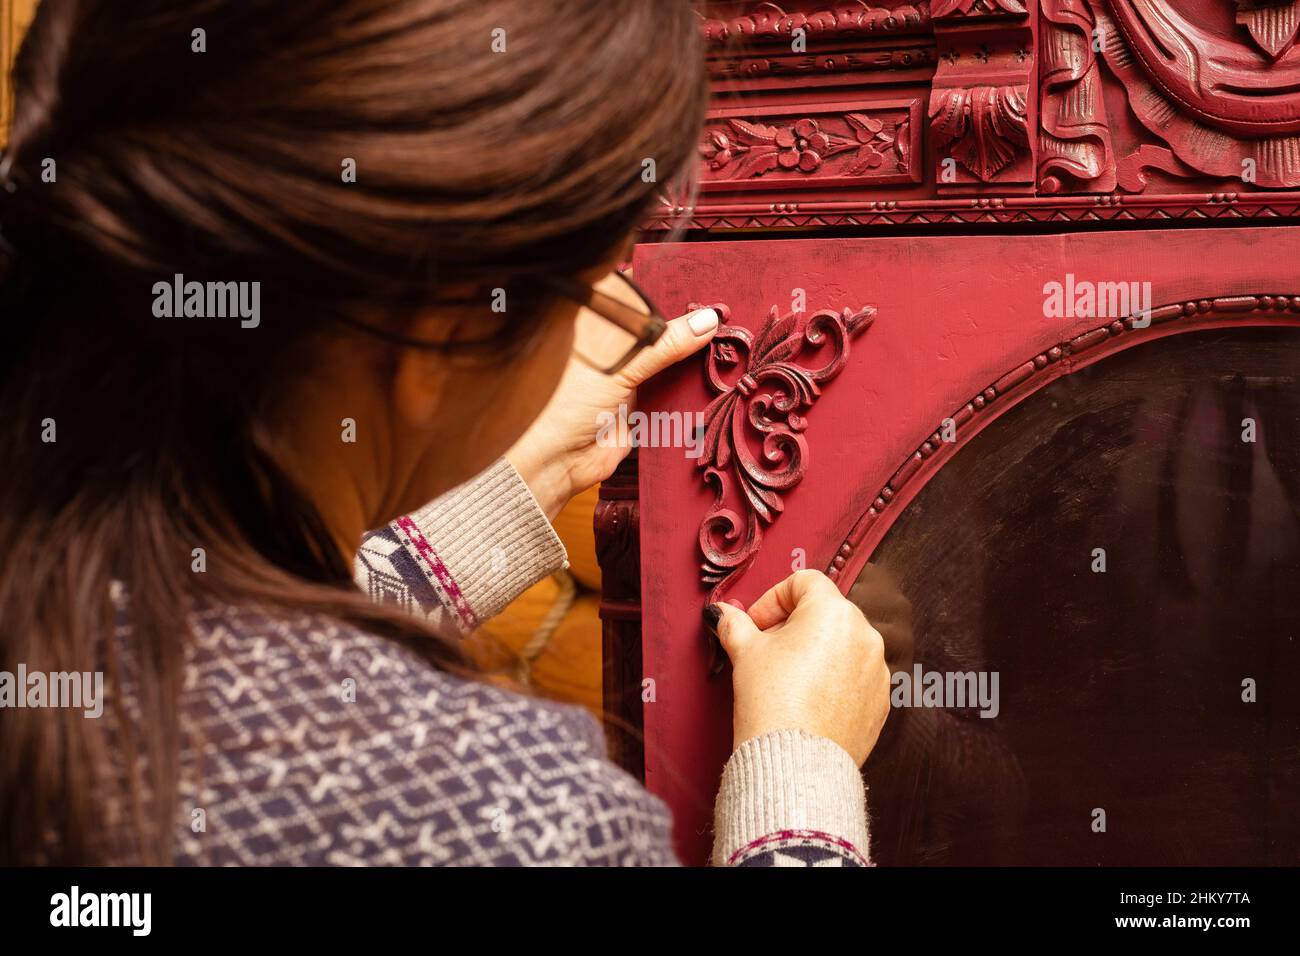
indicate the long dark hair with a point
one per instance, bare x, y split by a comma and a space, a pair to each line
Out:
133, 157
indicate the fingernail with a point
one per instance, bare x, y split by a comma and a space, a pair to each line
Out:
703, 321
717, 656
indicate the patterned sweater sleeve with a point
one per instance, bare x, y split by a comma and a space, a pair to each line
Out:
463, 557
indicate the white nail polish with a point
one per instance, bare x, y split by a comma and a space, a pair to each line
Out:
705, 320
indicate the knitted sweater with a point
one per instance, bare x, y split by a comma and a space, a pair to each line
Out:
322, 744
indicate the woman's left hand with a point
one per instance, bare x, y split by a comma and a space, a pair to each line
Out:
558, 456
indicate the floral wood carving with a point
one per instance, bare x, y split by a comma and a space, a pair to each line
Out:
845, 144
751, 149
763, 392
984, 128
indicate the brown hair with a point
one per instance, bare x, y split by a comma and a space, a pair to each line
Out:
226, 164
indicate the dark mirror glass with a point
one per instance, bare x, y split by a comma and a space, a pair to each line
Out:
1119, 690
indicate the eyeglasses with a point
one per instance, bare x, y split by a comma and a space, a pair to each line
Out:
630, 322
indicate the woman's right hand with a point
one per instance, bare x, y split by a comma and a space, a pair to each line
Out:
805, 658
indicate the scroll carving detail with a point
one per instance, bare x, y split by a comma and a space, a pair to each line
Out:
764, 405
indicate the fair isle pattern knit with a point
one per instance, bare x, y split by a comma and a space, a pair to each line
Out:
462, 558
391, 571
326, 745
444, 585
798, 848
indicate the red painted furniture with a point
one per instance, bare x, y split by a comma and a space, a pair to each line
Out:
1009, 284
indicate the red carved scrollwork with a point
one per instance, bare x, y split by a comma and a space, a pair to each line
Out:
1026, 106
764, 404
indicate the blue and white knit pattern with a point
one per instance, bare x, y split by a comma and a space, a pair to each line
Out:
415, 767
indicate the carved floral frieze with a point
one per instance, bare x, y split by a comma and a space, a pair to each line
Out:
823, 145
1055, 110
752, 149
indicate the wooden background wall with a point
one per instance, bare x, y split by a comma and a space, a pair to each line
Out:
15, 15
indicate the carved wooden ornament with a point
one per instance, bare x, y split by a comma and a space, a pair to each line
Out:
763, 405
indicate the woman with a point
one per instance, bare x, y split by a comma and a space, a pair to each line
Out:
407, 203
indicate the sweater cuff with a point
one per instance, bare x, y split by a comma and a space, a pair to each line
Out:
493, 539
793, 794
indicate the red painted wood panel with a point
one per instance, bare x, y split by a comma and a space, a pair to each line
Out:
958, 318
